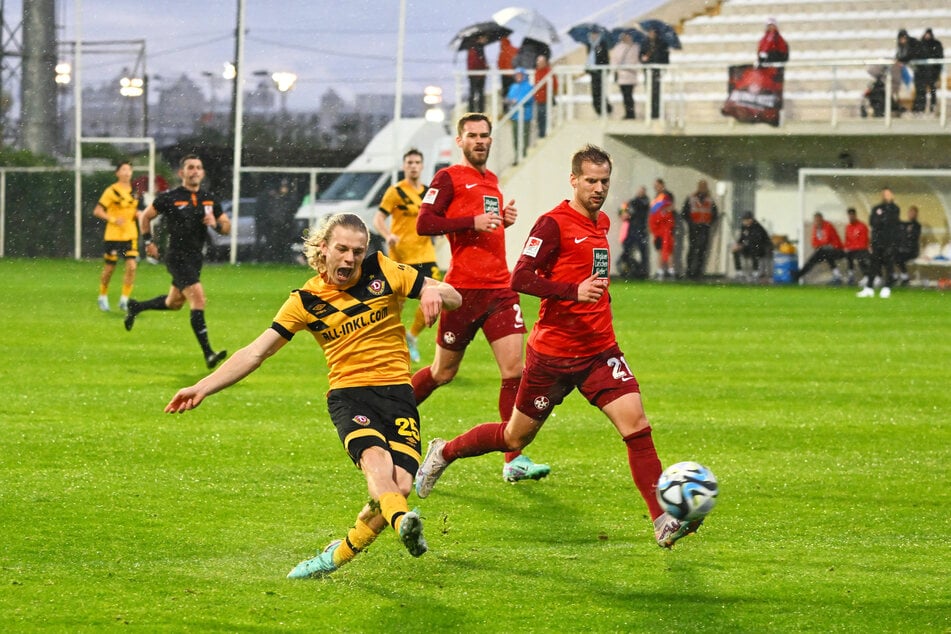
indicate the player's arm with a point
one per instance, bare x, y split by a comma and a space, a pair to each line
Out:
145, 230
538, 256
435, 297
379, 223
221, 223
241, 364
432, 220
101, 213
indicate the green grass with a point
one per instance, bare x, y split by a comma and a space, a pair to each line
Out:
825, 418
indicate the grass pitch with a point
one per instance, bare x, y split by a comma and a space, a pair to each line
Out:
825, 418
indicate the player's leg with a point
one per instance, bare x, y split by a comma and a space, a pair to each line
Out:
368, 526
110, 258
128, 277
195, 295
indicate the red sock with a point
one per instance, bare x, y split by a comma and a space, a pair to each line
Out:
481, 439
423, 384
645, 468
506, 404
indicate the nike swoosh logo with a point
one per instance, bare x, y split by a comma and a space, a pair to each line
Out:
580, 240
471, 185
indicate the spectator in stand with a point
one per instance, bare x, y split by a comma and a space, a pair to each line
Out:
700, 213
885, 223
856, 245
752, 250
507, 53
906, 52
634, 236
477, 67
909, 244
662, 221
521, 118
655, 51
624, 56
827, 247
543, 70
597, 59
772, 47
927, 76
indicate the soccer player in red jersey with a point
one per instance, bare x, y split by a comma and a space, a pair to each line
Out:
464, 202
566, 262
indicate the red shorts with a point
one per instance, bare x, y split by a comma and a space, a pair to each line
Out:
495, 310
547, 380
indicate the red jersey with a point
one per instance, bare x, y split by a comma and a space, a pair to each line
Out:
563, 249
458, 194
825, 235
856, 236
661, 218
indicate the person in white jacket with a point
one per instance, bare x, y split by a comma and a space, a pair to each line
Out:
626, 54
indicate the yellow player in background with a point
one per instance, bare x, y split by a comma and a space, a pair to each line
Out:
401, 204
119, 207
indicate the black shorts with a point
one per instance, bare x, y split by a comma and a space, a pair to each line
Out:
185, 271
382, 416
112, 250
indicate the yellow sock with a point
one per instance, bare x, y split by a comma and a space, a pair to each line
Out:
394, 507
103, 289
358, 538
127, 290
419, 322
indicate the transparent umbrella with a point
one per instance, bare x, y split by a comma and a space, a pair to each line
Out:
527, 22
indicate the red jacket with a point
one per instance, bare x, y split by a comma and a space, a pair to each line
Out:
825, 235
856, 236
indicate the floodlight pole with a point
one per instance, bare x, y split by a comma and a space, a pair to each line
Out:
77, 134
238, 122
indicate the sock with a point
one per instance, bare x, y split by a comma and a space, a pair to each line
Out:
506, 404
201, 331
394, 507
423, 385
156, 303
126, 290
479, 440
358, 537
103, 289
419, 322
645, 468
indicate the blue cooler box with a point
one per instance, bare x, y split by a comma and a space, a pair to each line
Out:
784, 267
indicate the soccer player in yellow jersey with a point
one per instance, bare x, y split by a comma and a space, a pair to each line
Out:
401, 204
118, 207
351, 308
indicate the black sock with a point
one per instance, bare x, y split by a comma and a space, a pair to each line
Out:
201, 331
156, 303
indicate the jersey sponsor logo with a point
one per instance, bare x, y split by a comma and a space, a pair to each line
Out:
362, 420
471, 185
431, 194
532, 245
580, 240
491, 205
209, 208
449, 337
600, 262
541, 403
376, 287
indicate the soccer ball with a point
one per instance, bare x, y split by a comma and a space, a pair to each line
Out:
687, 490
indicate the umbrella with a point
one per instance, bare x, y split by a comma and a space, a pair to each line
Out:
467, 36
579, 32
639, 37
664, 30
529, 22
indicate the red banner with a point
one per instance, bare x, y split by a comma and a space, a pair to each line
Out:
755, 94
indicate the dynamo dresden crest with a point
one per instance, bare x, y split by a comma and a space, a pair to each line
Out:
361, 420
376, 287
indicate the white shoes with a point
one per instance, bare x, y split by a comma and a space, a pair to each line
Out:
104, 303
885, 293
866, 292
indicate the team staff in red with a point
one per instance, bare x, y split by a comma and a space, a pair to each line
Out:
827, 247
566, 262
464, 202
856, 244
662, 223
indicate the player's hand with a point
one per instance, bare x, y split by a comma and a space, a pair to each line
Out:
430, 302
151, 250
591, 290
210, 220
510, 213
487, 222
119, 222
186, 399
392, 240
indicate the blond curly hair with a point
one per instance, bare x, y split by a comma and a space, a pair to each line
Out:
314, 240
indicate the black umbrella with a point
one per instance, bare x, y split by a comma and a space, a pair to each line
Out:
639, 37
469, 35
664, 31
579, 32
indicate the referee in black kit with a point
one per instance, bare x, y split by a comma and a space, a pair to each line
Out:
187, 211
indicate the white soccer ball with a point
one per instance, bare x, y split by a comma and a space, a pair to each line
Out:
687, 490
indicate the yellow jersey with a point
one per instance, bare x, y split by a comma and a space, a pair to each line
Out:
119, 202
401, 203
358, 327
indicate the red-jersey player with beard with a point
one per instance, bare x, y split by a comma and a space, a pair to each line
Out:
566, 261
464, 202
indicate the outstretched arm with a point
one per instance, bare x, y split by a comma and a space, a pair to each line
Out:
244, 362
437, 296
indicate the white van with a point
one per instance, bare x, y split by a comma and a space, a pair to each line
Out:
360, 188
